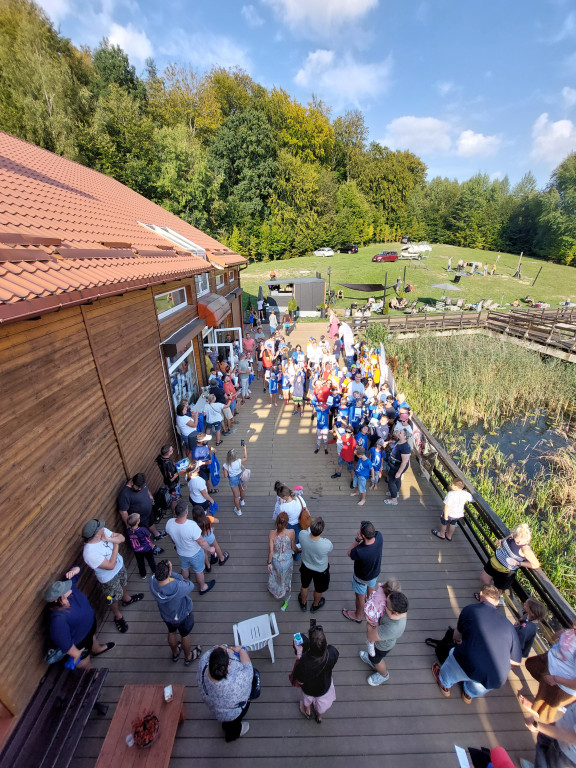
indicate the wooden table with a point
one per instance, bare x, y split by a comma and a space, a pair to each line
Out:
134, 701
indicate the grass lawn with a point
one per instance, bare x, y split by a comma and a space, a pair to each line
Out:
555, 283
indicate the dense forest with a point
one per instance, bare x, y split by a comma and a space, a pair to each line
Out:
253, 167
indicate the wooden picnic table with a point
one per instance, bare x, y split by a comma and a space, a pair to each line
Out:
134, 701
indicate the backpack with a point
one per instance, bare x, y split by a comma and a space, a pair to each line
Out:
162, 502
442, 647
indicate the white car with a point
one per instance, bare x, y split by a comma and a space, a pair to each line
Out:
324, 252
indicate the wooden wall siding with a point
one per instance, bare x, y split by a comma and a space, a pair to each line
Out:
59, 454
237, 320
172, 323
200, 360
125, 338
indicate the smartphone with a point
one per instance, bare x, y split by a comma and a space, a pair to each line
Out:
168, 693
242, 443
298, 638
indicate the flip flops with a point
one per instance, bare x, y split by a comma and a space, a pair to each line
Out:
436, 533
345, 614
109, 647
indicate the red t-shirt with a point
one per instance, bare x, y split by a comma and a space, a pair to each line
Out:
348, 445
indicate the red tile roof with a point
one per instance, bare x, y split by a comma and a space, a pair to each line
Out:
77, 234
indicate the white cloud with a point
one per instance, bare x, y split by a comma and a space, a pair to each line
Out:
205, 50
471, 144
57, 9
568, 29
134, 42
422, 135
445, 87
569, 97
344, 80
552, 141
253, 18
320, 16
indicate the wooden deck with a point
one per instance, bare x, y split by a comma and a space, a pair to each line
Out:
405, 721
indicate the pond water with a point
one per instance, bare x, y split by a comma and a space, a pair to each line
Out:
526, 439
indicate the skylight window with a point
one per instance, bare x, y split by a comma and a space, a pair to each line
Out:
179, 240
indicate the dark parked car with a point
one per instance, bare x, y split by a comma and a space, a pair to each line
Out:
349, 249
405, 240
386, 256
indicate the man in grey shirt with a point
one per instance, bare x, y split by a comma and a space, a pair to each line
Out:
314, 566
244, 370
382, 638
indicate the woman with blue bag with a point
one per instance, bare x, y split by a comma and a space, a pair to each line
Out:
233, 471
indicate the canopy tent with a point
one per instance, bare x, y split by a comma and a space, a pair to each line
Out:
447, 287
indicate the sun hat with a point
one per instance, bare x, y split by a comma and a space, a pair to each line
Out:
56, 590
202, 437
91, 527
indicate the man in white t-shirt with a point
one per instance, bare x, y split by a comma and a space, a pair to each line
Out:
101, 554
190, 546
347, 337
454, 503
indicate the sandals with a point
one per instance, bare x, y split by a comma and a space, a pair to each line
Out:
133, 599
436, 533
316, 715
121, 625
436, 673
226, 556
196, 653
302, 605
304, 713
345, 614
218, 443
109, 647
176, 655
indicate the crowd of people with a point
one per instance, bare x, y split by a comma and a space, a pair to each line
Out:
347, 390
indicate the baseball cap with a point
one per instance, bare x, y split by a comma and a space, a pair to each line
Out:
57, 589
91, 527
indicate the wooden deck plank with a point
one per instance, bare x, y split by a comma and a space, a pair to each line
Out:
406, 719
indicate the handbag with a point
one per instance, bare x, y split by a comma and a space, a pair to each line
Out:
245, 476
215, 470
213, 508
304, 518
442, 647
256, 687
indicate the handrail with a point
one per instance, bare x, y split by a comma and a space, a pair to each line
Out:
481, 523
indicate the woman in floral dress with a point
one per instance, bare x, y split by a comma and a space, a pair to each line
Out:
281, 545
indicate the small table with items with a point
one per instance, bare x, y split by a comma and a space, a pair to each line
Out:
135, 701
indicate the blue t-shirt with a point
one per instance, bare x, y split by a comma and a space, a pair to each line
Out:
321, 418
362, 440
489, 641
285, 381
375, 459
69, 626
272, 385
355, 415
363, 467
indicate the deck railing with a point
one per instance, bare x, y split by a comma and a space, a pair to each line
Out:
482, 527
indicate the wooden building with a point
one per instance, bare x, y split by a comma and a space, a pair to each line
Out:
106, 301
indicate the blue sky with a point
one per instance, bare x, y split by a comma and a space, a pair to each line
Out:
467, 85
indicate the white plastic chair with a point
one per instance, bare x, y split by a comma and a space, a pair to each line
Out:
255, 633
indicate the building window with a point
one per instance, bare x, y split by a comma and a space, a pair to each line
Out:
220, 281
202, 284
179, 240
231, 276
183, 378
168, 303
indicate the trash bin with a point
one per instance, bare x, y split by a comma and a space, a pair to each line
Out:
457, 278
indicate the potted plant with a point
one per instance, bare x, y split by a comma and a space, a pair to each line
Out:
145, 729
322, 309
292, 308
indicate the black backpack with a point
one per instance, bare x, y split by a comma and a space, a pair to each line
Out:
162, 502
444, 646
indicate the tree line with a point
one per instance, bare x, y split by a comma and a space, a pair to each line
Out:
263, 173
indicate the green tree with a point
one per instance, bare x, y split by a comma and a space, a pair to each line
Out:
556, 236
112, 67
350, 133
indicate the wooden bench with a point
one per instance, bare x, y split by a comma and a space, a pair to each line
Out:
134, 701
50, 727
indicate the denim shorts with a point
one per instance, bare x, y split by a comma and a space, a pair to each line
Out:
209, 537
360, 482
349, 464
360, 587
235, 480
194, 563
216, 426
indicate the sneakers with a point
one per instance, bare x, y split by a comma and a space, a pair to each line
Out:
314, 608
245, 729
436, 673
465, 698
242, 502
144, 578
161, 535
317, 449
237, 511
390, 502
157, 550
326, 451
335, 475
377, 679
366, 659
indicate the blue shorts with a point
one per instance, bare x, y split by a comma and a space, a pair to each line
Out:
216, 426
360, 587
209, 537
349, 464
194, 563
360, 483
235, 480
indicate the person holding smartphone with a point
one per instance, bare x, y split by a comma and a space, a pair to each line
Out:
312, 672
233, 471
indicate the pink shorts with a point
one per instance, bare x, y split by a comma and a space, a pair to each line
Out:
321, 703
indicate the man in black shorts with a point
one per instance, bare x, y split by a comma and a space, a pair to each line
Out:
171, 592
314, 566
366, 552
135, 498
382, 638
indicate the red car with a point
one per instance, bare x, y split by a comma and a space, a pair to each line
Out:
386, 256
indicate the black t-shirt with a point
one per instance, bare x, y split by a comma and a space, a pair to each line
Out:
399, 450
368, 558
132, 501
489, 641
315, 673
168, 469
219, 394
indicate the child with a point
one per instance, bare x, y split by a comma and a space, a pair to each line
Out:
454, 503
285, 385
322, 417
376, 457
362, 472
376, 604
205, 523
362, 437
273, 320
273, 386
139, 538
251, 320
527, 626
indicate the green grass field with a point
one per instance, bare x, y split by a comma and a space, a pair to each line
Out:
555, 283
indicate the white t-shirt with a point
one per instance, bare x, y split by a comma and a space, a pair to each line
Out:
235, 468
196, 485
213, 412
184, 536
568, 723
355, 386
455, 501
182, 422
562, 659
347, 336
293, 508
94, 555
